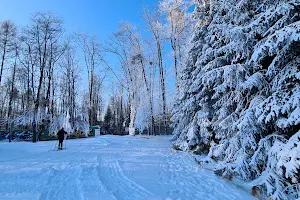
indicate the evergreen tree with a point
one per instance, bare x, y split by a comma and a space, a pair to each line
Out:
239, 92
108, 120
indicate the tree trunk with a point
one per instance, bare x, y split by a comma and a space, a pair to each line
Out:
49, 79
132, 119
28, 87
12, 86
48, 94
176, 66
91, 95
2, 61
52, 100
73, 100
150, 99
37, 100
162, 84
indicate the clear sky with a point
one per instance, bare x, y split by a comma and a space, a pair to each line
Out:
99, 17
95, 17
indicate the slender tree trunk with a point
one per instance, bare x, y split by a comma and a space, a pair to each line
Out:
2, 61
32, 72
91, 93
73, 99
174, 48
121, 113
162, 84
150, 99
12, 86
37, 100
23, 106
32, 82
179, 54
28, 86
48, 93
175, 64
132, 119
52, 100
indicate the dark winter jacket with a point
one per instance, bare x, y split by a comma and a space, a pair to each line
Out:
61, 134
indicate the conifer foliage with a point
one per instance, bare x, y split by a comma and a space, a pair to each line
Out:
239, 92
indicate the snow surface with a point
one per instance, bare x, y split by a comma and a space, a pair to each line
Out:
108, 167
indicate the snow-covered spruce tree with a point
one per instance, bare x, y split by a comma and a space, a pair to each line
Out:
239, 92
186, 130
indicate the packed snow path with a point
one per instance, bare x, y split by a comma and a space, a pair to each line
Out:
105, 168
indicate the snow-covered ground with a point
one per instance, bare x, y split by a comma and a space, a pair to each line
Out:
108, 167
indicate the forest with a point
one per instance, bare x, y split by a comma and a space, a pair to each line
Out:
51, 78
234, 66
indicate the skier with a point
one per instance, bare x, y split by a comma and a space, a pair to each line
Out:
61, 136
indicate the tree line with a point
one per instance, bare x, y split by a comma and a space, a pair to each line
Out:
40, 73
42, 66
143, 61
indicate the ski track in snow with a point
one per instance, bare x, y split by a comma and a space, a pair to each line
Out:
115, 179
108, 168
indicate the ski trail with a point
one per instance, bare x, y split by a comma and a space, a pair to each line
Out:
88, 182
64, 182
98, 170
91, 185
109, 168
116, 181
61, 186
79, 183
35, 160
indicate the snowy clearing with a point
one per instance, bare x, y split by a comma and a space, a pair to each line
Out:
108, 167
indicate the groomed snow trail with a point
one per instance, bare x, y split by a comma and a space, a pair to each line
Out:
108, 168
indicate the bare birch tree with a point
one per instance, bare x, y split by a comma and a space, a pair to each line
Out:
69, 78
139, 60
13, 91
153, 21
44, 29
119, 45
178, 22
92, 57
7, 39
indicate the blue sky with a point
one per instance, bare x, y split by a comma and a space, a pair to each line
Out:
100, 17
95, 17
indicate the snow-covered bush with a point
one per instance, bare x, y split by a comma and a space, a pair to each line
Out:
239, 91
82, 126
63, 121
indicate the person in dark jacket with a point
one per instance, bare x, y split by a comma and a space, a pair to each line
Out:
61, 136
